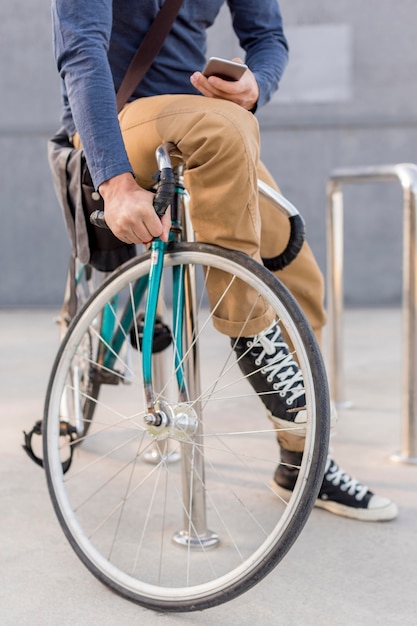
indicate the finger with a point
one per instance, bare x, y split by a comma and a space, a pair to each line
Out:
136, 233
166, 226
221, 86
201, 82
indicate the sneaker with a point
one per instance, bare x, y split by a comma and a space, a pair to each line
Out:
269, 366
340, 493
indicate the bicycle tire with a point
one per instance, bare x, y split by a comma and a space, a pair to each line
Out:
119, 514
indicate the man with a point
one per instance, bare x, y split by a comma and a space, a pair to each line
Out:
212, 122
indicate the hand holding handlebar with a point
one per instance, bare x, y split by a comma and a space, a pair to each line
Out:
136, 215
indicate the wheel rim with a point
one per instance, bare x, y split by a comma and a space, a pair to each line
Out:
83, 530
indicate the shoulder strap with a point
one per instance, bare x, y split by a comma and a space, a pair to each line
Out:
148, 49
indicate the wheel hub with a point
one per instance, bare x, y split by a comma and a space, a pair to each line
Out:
178, 421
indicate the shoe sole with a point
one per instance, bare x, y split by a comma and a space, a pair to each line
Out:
298, 428
384, 514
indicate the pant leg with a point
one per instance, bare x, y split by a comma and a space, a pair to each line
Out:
220, 144
302, 277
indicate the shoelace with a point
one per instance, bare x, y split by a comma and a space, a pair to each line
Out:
339, 478
282, 369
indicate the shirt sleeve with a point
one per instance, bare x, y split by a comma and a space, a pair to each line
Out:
259, 27
81, 36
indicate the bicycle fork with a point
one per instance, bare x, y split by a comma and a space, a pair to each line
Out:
183, 420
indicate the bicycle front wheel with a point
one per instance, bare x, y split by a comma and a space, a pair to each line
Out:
186, 535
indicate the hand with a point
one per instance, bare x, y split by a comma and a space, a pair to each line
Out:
129, 211
244, 92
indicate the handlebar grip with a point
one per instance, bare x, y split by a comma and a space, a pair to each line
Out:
295, 242
165, 191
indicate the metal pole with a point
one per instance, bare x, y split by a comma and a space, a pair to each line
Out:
335, 293
195, 534
408, 453
406, 174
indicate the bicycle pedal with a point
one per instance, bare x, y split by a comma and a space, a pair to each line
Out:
162, 337
104, 377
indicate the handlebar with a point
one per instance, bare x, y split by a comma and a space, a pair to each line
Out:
297, 228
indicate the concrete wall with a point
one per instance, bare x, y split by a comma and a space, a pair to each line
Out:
33, 242
348, 98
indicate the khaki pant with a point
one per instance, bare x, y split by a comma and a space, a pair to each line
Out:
220, 144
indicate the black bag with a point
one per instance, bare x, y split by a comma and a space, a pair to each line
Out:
78, 199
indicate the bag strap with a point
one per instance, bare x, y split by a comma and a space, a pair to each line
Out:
147, 51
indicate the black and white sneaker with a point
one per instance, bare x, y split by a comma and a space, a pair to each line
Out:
269, 366
340, 493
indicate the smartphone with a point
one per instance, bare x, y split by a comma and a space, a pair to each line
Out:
227, 70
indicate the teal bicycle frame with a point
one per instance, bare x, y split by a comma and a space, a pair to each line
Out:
113, 338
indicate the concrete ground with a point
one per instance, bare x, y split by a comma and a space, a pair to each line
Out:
339, 573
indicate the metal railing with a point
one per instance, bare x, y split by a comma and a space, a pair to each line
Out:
406, 175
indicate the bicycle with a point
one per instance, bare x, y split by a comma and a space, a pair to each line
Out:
163, 489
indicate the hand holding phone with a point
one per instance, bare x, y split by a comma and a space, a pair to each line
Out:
224, 69
236, 82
